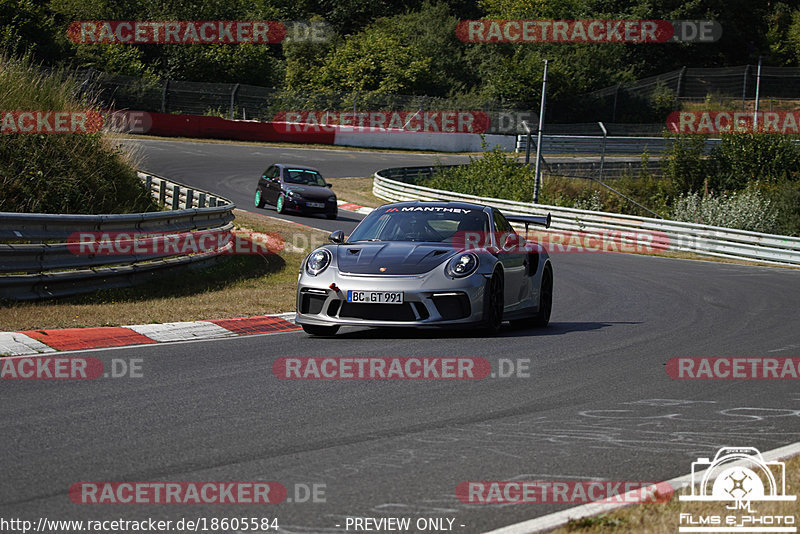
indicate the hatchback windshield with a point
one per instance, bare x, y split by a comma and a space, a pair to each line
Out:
304, 177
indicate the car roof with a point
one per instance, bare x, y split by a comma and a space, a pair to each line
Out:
298, 167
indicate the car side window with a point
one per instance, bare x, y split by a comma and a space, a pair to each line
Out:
270, 172
501, 224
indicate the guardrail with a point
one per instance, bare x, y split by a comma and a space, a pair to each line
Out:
36, 260
593, 144
397, 184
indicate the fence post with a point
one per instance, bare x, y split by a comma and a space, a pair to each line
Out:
201, 200
162, 193
176, 197
233, 99
189, 199
744, 85
148, 184
758, 89
164, 93
680, 86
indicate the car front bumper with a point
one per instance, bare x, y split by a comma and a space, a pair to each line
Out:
429, 299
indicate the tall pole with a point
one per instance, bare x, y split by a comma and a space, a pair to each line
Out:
758, 87
539, 137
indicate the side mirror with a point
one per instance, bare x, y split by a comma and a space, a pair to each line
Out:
336, 237
328, 185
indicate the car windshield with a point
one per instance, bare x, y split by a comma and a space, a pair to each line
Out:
439, 224
304, 177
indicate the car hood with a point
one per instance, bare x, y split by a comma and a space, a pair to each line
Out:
311, 192
395, 257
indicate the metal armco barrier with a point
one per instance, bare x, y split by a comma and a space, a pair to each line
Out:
36, 261
588, 144
397, 185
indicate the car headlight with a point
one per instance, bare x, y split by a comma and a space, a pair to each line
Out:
318, 261
294, 194
462, 265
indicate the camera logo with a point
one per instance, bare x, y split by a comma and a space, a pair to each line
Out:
738, 474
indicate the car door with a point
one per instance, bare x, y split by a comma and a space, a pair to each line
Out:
263, 181
272, 186
514, 260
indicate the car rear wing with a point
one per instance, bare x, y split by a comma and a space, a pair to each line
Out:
530, 219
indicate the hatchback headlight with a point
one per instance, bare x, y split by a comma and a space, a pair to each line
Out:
462, 265
318, 261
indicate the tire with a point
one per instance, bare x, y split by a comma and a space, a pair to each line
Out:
542, 317
259, 199
319, 330
331, 216
279, 205
493, 303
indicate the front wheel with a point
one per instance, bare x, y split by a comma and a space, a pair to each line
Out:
493, 303
279, 207
319, 330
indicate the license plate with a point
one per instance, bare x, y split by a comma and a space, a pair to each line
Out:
375, 297
315, 204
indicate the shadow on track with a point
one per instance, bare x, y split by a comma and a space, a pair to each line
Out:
444, 333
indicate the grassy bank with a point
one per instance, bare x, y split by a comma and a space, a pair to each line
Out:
60, 172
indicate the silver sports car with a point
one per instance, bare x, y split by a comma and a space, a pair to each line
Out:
427, 264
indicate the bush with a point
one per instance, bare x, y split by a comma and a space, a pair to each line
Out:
495, 174
60, 173
745, 210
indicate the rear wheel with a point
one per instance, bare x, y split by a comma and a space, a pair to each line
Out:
493, 303
279, 207
331, 215
319, 330
259, 199
542, 317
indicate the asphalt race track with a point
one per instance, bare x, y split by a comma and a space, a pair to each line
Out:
597, 402
233, 170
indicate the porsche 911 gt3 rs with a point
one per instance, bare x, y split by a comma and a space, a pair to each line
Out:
427, 264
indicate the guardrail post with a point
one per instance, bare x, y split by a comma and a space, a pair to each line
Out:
162, 193
148, 184
212, 202
201, 200
176, 197
189, 198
